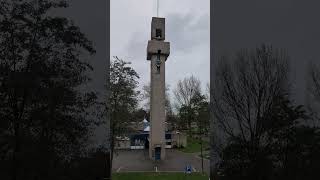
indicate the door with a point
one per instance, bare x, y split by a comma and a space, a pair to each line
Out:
146, 144
157, 153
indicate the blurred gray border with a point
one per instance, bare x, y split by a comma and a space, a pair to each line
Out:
107, 83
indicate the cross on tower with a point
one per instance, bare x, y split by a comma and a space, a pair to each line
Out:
158, 61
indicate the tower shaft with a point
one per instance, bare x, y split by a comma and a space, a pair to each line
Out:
157, 53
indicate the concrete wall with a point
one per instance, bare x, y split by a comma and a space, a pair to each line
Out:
157, 106
154, 46
176, 140
157, 99
158, 23
179, 140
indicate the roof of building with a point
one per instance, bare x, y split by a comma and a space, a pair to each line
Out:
147, 128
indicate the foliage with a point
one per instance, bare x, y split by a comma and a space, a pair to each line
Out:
192, 105
45, 119
200, 111
266, 133
123, 98
184, 92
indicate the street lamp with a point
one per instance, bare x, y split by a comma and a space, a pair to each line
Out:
200, 129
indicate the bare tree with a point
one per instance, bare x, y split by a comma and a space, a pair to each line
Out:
245, 91
146, 96
315, 78
185, 90
313, 95
207, 92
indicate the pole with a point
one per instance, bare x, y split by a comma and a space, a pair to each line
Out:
201, 154
179, 144
201, 144
157, 8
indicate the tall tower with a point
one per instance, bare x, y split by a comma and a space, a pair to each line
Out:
157, 52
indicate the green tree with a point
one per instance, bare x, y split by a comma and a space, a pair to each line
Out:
288, 151
183, 116
200, 109
45, 119
185, 90
262, 127
123, 99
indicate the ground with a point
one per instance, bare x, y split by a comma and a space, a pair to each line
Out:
138, 161
205, 154
159, 176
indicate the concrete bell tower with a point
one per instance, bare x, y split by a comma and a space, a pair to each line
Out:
157, 52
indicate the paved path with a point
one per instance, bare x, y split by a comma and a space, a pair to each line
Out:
138, 160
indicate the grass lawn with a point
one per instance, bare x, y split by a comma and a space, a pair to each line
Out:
158, 176
193, 145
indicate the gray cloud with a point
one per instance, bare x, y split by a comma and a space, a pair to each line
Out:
289, 24
187, 31
130, 21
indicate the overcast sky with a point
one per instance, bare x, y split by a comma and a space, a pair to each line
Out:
187, 30
290, 24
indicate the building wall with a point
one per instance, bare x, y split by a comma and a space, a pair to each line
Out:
179, 140
176, 141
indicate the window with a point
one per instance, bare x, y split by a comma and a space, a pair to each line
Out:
158, 33
168, 136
